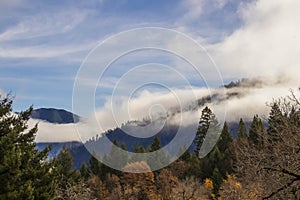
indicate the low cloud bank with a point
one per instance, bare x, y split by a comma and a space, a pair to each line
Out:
243, 101
48, 132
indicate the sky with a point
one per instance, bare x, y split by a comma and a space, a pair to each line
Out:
44, 43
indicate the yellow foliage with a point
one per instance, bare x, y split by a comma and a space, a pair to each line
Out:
233, 189
209, 184
238, 185
232, 182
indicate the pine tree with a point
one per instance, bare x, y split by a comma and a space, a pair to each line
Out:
275, 122
66, 175
293, 117
225, 146
208, 122
202, 128
118, 157
184, 153
139, 156
219, 162
256, 132
210, 162
95, 166
99, 169
138, 148
155, 144
212, 167
225, 138
84, 171
217, 179
24, 171
159, 157
242, 130
124, 155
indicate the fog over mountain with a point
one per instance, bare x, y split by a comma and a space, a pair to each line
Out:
243, 98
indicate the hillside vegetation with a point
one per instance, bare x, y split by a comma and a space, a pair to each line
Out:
260, 163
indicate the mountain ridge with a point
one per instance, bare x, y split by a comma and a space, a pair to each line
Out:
54, 115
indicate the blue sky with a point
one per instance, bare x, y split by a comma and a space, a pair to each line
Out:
43, 43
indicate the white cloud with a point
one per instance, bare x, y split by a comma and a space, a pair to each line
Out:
44, 24
115, 112
267, 43
253, 101
249, 102
49, 132
194, 9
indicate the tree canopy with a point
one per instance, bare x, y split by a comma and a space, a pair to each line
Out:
25, 172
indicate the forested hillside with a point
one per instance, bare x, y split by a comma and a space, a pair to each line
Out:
261, 162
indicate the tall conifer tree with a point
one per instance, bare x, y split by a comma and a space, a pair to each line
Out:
242, 130
256, 132
208, 122
275, 122
225, 139
24, 171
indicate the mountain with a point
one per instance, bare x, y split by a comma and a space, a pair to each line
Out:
60, 116
81, 155
52, 115
121, 135
166, 134
57, 146
246, 83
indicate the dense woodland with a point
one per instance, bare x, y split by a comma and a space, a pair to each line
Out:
260, 163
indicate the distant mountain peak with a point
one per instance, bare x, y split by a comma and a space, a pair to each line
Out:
53, 115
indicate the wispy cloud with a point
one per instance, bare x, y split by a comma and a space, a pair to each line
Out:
204, 18
45, 35
44, 51
44, 24
194, 9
